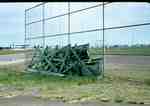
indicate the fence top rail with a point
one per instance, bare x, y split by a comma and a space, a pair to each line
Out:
39, 5
92, 30
35, 6
68, 13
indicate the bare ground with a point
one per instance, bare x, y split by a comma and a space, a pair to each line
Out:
31, 101
126, 59
111, 61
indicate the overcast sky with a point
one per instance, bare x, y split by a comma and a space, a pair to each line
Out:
116, 14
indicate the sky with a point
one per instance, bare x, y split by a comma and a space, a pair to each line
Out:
116, 14
12, 22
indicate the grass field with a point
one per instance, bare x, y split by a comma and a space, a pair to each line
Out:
123, 51
126, 83
117, 86
109, 51
8, 51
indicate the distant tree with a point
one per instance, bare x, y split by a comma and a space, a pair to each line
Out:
1, 48
141, 45
148, 45
115, 46
124, 46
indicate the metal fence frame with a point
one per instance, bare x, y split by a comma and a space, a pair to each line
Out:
71, 33
61, 34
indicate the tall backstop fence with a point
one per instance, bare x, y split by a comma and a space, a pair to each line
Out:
102, 25
62, 24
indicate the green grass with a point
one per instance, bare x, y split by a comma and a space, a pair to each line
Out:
108, 51
123, 51
123, 84
117, 85
6, 52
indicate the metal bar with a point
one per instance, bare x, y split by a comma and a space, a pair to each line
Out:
34, 22
25, 39
101, 29
103, 42
126, 26
39, 37
68, 22
68, 13
43, 23
35, 6
89, 8
61, 34
25, 27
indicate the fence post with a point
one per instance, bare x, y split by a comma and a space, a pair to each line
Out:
25, 29
69, 23
25, 38
43, 23
103, 43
